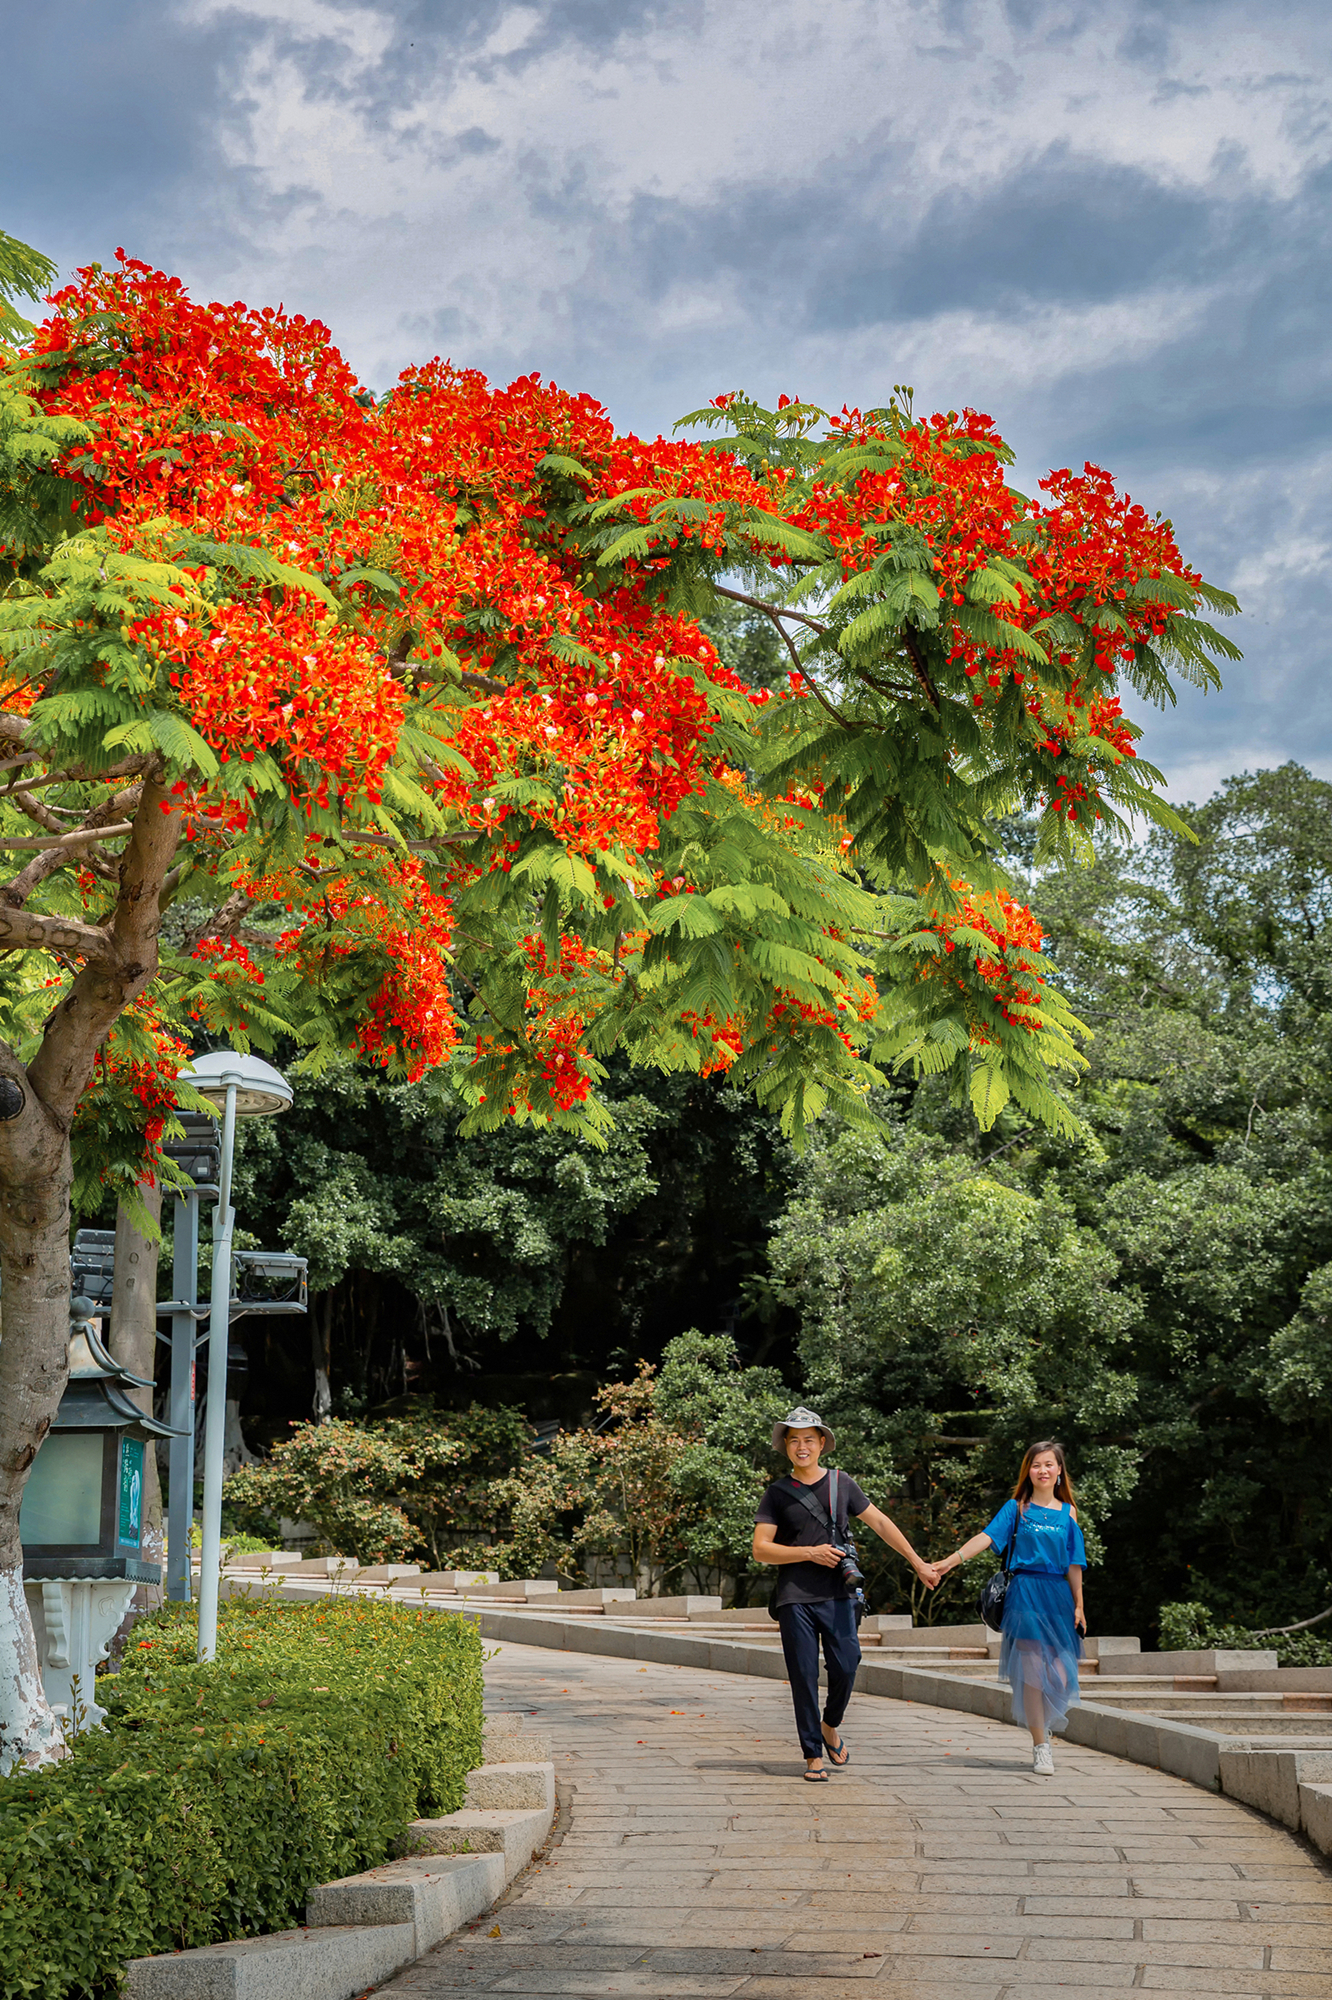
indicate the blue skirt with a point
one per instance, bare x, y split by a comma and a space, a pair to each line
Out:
1040, 1647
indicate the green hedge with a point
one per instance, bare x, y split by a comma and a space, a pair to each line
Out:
217, 1796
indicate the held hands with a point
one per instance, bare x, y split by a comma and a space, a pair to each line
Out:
930, 1574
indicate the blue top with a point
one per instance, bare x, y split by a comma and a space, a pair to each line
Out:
1049, 1540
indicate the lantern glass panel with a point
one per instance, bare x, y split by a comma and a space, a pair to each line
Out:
62, 1501
130, 1509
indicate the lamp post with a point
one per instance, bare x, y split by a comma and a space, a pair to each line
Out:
241, 1087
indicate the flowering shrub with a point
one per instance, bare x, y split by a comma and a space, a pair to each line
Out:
407, 1486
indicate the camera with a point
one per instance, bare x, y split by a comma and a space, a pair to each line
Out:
849, 1568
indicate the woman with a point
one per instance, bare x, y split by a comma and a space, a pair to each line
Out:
1043, 1616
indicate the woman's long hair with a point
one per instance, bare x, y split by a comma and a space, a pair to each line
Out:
1023, 1491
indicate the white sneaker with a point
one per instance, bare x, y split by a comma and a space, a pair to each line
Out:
1042, 1760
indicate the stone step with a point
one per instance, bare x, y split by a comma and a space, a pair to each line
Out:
523, 1590
515, 1835
514, 1746
435, 1893
1226, 1723
1220, 1704
512, 1787
327, 1963
363, 1929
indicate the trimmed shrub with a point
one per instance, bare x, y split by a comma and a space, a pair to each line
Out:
218, 1795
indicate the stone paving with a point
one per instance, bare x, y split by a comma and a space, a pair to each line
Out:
696, 1861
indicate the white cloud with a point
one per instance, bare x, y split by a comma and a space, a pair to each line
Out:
1100, 223
370, 156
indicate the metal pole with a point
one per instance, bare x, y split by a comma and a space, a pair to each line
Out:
180, 1505
215, 1422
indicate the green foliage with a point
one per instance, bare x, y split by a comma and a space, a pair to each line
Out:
600, 1504
520, 1266
1190, 1627
946, 1319
218, 1795
664, 1495
410, 1485
371, 1176
660, 1491
1155, 1290
725, 1414
24, 274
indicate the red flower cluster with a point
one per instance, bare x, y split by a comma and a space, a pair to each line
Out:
1007, 969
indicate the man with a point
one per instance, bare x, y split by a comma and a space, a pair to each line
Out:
813, 1599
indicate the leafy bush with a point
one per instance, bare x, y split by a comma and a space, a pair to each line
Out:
418, 1483
217, 1795
1191, 1627
662, 1491
601, 1500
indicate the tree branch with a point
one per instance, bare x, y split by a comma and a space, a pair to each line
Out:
426, 845
1283, 1631
221, 923
773, 610
106, 986
913, 653
79, 837
26, 930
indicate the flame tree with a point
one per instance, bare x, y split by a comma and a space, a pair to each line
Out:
388, 725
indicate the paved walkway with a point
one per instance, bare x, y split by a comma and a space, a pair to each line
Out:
697, 1862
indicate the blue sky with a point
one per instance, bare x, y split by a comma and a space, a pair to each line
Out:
1108, 225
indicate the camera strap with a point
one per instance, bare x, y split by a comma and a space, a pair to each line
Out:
820, 1513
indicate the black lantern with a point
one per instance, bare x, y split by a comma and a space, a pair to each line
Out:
82, 1513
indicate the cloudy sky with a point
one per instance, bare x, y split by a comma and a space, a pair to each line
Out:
1107, 225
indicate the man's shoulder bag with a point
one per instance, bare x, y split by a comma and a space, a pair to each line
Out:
990, 1603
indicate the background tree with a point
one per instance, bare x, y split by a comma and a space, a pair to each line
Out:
946, 1319
1155, 1293
523, 1264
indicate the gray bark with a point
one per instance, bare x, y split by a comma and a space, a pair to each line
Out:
35, 1177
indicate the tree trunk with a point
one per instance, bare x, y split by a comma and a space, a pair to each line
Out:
34, 1367
37, 1106
321, 1337
134, 1342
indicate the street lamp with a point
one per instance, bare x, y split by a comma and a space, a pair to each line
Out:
240, 1087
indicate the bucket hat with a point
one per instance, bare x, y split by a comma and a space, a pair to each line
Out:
800, 1419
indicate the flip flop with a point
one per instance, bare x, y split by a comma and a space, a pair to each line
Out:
816, 1777
830, 1751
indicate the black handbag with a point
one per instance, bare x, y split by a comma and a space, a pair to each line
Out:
990, 1603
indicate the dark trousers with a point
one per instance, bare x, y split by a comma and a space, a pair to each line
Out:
802, 1626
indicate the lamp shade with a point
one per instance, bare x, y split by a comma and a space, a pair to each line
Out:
261, 1090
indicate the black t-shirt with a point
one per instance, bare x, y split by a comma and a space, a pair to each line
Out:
782, 1508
